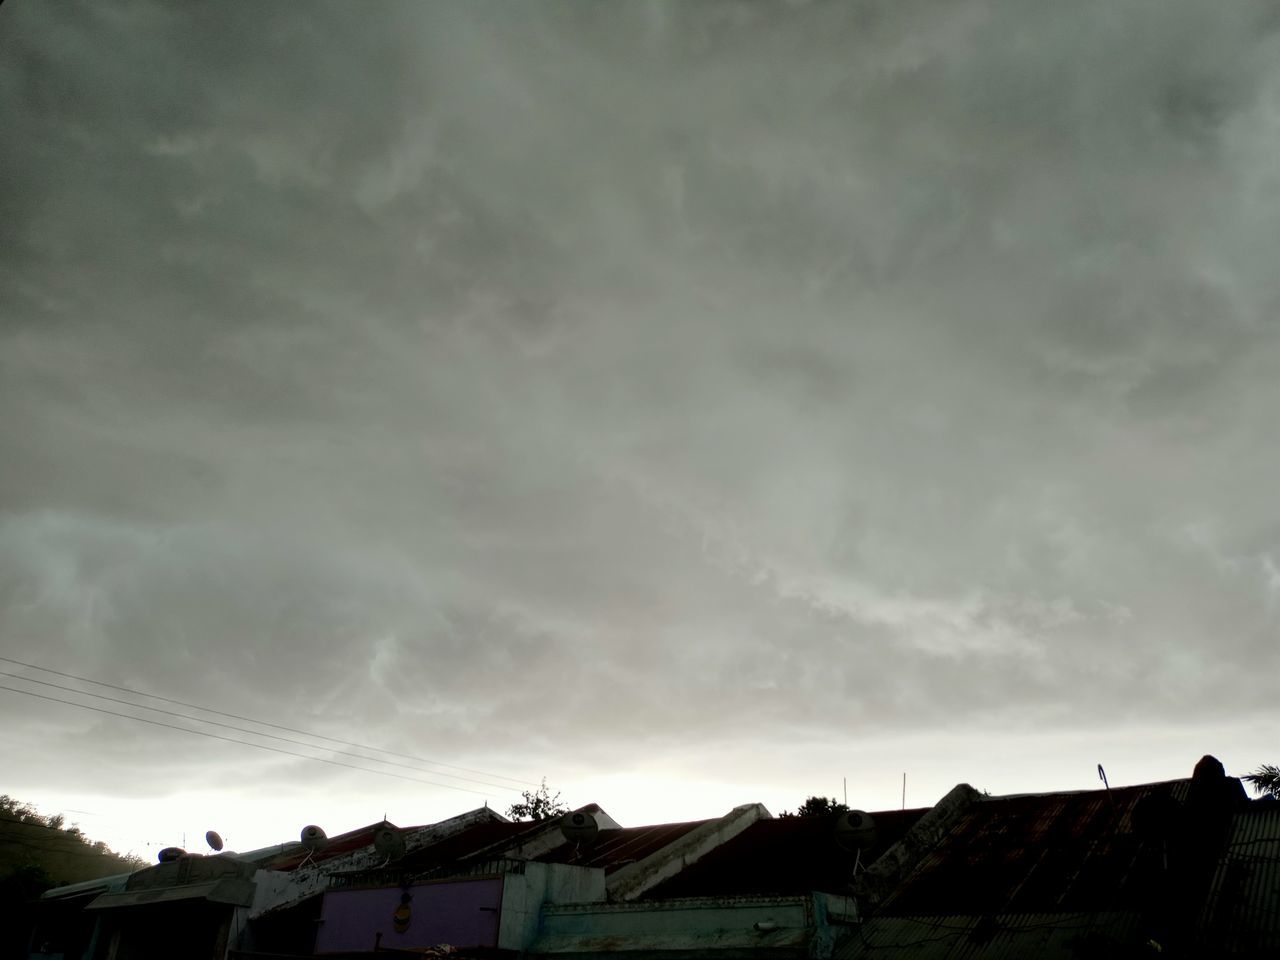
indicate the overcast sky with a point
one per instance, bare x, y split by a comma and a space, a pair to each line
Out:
692, 403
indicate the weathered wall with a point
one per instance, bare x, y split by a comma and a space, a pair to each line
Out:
782, 925
524, 896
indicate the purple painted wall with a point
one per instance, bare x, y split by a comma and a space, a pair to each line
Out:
463, 913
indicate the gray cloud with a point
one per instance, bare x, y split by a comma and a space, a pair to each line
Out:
472, 374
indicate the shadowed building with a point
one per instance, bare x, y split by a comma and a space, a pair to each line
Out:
1180, 868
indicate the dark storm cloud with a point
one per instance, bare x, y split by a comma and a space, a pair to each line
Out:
643, 368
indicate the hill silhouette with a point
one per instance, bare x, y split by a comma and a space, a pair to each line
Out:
38, 852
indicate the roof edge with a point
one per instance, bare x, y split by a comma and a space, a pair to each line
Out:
883, 876
635, 879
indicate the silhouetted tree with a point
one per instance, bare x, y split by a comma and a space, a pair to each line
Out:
1265, 780
817, 807
538, 805
38, 852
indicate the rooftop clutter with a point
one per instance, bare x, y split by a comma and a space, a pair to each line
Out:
1185, 867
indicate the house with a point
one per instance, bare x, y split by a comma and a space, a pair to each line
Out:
1184, 868
62, 929
1181, 868
212, 907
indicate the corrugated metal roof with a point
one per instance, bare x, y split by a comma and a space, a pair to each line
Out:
1065, 875
789, 855
462, 845
612, 849
1242, 915
1048, 853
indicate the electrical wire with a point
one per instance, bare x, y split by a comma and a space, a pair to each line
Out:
244, 743
252, 733
265, 723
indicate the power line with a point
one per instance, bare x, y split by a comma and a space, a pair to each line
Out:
265, 723
252, 733
244, 743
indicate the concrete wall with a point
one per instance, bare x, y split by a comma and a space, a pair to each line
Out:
746, 925
526, 894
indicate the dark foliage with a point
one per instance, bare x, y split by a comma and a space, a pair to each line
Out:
817, 807
1265, 780
538, 805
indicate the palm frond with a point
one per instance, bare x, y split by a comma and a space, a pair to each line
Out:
1265, 780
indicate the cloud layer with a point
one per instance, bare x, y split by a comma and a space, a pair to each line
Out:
465, 375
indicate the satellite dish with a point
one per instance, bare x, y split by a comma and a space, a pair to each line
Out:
170, 854
388, 841
856, 831
214, 840
579, 827
314, 838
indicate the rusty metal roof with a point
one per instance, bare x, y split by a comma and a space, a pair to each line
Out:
612, 849
335, 846
788, 855
1042, 853
462, 845
1242, 915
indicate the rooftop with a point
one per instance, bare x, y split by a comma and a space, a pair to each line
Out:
790, 855
613, 849
1042, 853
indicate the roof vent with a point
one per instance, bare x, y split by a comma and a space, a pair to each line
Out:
856, 831
579, 827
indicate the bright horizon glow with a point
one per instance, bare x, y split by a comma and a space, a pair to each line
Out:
1011, 764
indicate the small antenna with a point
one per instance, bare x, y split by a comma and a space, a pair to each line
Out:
1102, 775
904, 789
846, 790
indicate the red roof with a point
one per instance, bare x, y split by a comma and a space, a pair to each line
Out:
613, 849
462, 845
335, 846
